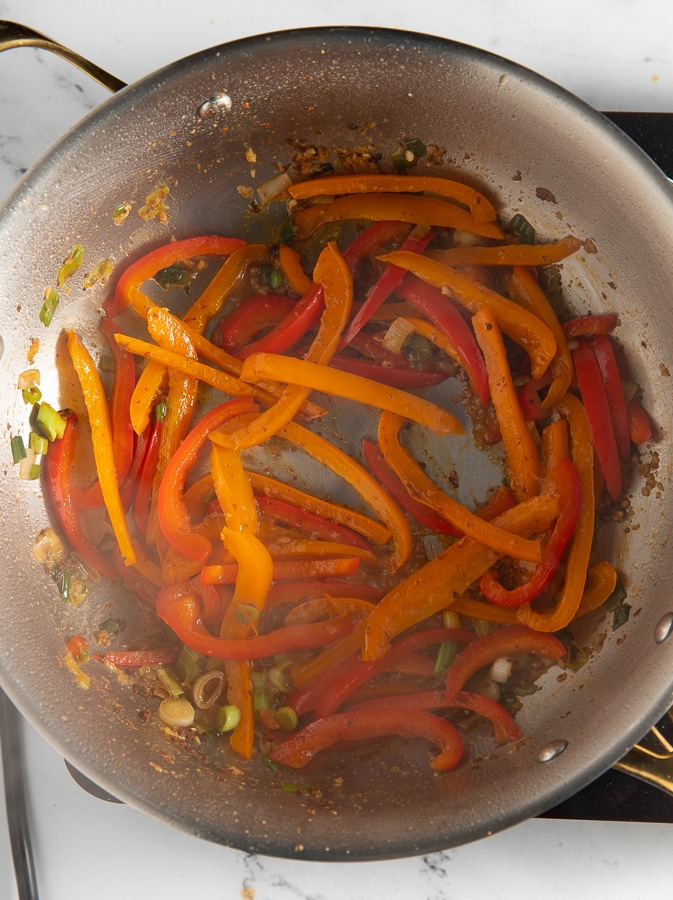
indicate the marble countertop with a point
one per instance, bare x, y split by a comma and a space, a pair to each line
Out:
616, 54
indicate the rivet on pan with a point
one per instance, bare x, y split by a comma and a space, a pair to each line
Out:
552, 750
214, 105
663, 628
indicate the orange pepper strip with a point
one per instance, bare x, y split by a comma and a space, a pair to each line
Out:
601, 582
303, 673
525, 289
151, 382
98, 411
327, 607
439, 338
523, 455
445, 578
509, 254
255, 568
521, 326
375, 207
334, 275
286, 569
233, 489
422, 488
342, 515
318, 377
481, 208
291, 266
577, 562
363, 483
555, 444
301, 547
482, 609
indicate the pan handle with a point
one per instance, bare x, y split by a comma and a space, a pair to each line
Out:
14, 35
652, 763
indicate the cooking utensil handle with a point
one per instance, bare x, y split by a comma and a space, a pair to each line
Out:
654, 768
14, 35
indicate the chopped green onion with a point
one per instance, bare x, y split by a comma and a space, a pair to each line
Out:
38, 442
276, 278
31, 395
173, 686
50, 422
523, 228
98, 274
29, 469
289, 231
246, 613
160, 410
71, 264
227, 718
621, 616
65, 585
445, 656
178, 275
121, 212
189, 664
286, 718
112, 626
49, 305
18, 448
176, 712
408, 154
616, 598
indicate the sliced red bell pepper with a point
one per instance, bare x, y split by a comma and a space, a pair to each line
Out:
294, 591
507, 641
640, 427
372, 239
597, 409
585, 326
139, 583
56, 468
302, 317
565, 480
252, 315
401, 376
143, 494
607, 363
442, 311
308, 522
302, 746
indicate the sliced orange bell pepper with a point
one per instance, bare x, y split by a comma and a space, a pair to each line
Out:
480, 207
508, 254
291, 266
98, 411
524, 328
601, 582
523, 454
233, 489
422, 488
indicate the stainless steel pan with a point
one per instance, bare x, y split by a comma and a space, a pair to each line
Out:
534, 148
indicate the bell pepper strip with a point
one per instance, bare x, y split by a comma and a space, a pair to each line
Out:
135, 659
253, 315
308, 548
370, 242
607, 363
98, 411
564, 480
640, 427
321, 734
364, 484
294, 591
143, 493
142, 586
332, 274
482, 609
521, 326
341, 515
128, 489
128, 291
577, 560
254, 569
309, 523
425, 516
399, 207
587, 326
316, 377
402, 377
151, 384
596, 405
507, 641
525, 290
291, 266
601, 582
505, 729
480, 207
173, 516
122, 431
180, 609
523, 455
361, 672
509, 254
311, 678
302, 317
423, 489
56, 471
327, 607
383, 287
233, 489
434, 586
287, 569
555, 445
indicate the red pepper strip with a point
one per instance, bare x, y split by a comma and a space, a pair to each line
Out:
181, 610
404, 378
308, 522
423, 514
139, 583
360, 672
327, 607
143, 495
441, 310
607, 363
384, 286
309, 690
506, 641
565, 480
148, 265
640, 427
286, 569
302, 746
529, 399
173, 515
372, 239
505, 729
252, 315
597, 409
133, 659
128, 489
585, 326
295, 591
302, 317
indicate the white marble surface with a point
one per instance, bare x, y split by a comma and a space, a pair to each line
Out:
617, 54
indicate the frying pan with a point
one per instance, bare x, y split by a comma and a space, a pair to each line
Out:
533, 148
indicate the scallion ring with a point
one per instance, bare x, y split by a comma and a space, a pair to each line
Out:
207, 688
